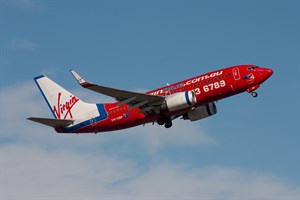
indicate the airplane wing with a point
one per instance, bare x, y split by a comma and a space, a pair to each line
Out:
143, 101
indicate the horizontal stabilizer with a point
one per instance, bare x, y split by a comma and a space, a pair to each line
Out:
55, 123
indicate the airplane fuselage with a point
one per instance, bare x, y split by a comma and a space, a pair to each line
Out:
206, 88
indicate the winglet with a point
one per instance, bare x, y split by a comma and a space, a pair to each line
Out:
80, 79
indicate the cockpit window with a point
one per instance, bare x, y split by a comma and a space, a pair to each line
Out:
252, 68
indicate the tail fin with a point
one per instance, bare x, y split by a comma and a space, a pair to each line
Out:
62, 103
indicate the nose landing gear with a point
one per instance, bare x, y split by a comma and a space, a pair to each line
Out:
251, 90
254, 94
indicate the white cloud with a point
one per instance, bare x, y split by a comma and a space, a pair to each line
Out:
32, 172
183, 133
22, 44
180, 182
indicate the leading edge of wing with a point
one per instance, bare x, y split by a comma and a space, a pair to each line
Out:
131, 98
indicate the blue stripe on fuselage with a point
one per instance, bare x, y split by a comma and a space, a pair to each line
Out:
103, 115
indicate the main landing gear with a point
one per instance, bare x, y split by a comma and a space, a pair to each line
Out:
164, 120
168, 124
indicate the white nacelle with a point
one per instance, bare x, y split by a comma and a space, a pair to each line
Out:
201, 112
180, 101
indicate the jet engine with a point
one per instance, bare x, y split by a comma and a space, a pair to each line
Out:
179, 101
201, 112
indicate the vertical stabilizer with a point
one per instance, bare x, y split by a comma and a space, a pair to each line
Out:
62, 103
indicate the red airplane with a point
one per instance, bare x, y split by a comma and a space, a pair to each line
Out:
192, 99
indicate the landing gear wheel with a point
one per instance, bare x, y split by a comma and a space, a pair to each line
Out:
168, 124
160, 121
254, 94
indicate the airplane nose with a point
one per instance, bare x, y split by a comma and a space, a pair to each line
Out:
269, 72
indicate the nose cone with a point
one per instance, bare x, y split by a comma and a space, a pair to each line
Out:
268, 72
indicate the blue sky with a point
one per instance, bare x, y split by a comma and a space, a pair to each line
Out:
250, 149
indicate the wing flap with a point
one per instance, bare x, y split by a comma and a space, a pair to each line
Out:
55, 123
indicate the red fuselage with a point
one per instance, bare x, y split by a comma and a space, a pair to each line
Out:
207, 88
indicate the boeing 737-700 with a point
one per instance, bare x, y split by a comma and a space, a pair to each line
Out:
192, 99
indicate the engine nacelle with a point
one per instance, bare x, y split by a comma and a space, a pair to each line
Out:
201, 112
179, 101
